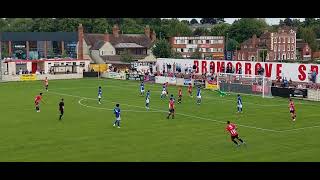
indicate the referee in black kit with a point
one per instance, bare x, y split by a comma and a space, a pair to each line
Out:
61, 108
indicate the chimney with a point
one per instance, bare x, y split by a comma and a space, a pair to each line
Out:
80, 41
106, 36
153, 36
147, 31
115, 30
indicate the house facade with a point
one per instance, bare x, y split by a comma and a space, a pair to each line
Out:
210, 47
270, 46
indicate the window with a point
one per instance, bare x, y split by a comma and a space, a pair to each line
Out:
190, 50
288, 39
291, 55
181, 49
176, 41
82, 64
267, 58
190, 41
102, 52
220, 49
208, 50
284, 56
199, 41
203, 49
275, 48
207, 41
292, 48
279, 48
275, 40
279, 56
284, 47
239, 56
220, 41
288, 47
242, 56
292, 40
279, 40
200, 49
211, 42
214, 50
245, 46
288, 56
178, 50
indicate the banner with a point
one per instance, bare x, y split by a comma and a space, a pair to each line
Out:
301, 93
114, 75
28, 77
171, 80
200, 83
136, 77
99, 67
160, 79
149, 78
294, 71
211, 84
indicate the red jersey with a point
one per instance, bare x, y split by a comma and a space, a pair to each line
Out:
231, 128
291, 106
190, 88
37, 99
171, 104
46, 81
180, 92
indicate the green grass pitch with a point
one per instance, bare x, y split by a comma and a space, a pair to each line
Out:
196, 134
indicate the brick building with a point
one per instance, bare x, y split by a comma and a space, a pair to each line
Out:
270, 46
304, 51
210, 47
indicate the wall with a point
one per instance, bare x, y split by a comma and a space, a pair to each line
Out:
107, 49
42, 77
294, 71
96, 57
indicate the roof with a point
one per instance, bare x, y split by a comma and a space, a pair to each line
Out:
91, 39
128, 45
39, 36
97, 40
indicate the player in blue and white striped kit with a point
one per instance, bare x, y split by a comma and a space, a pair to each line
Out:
147, 99
99, 94
142, 88
198, 95
239, 103
116, 111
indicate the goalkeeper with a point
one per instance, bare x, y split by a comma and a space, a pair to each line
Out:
221, 93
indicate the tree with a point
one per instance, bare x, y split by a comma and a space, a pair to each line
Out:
286, 22
201, 32
309, 22
196, 55
173, 27
232, 45
44, 25
130, 26
19, 25
162, 49
186, 22
194, 21
212, 20
176, 55
101, 26
244, 28
50, 53
125, 57
220, 29
64, 54
309, 36
69, 25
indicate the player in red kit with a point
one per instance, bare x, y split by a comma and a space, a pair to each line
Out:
231, 128
190, 90
292, 110
46, 83
179, 95
171, 108
37, 102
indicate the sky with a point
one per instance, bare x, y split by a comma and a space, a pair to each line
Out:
270, 21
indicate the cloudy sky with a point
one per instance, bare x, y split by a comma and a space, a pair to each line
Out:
270, 21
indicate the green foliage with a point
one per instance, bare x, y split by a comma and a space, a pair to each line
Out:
194, 21
162, 49
201, 32
244, 28
309, 36
220, 29
196, 54
64, 54
50, 53
176, 55
212, 20
130, 26
232, 45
